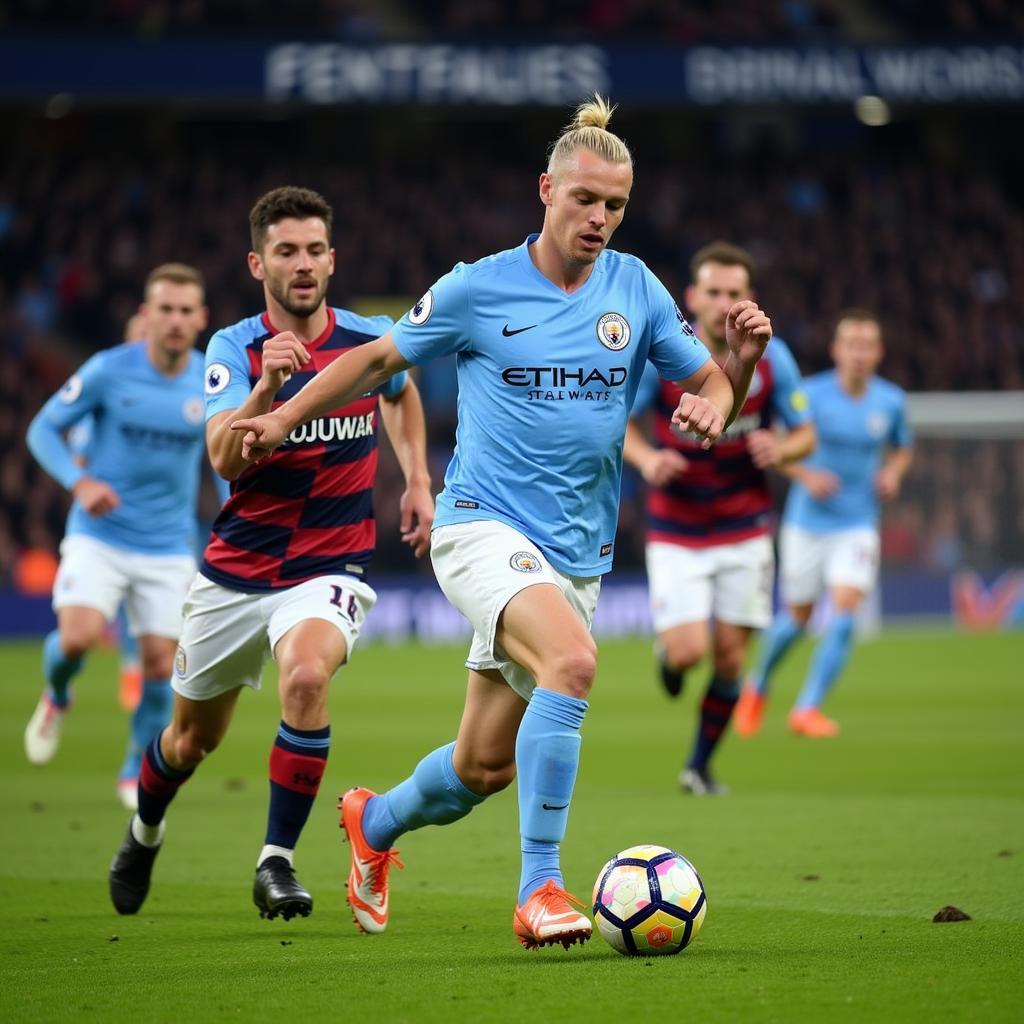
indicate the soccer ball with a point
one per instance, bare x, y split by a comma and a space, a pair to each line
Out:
649, 901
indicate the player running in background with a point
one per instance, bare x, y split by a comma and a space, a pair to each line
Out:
131, 531
550, 340
284, 571
709, 549
829, 538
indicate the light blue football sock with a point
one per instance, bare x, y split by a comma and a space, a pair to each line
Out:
547, 758
777, 640
128, 644
58, 670
828, 661
433, 795
148, 720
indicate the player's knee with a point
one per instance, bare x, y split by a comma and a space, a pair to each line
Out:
158, 666
77, 641
573, 669
304, 685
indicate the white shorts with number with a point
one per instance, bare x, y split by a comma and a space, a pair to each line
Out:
93, 574
481, 566
228, 634
728, 582
811, 562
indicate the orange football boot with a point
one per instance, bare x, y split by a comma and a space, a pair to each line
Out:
129, 691
548, 917
811, 722
749, 713
368, 872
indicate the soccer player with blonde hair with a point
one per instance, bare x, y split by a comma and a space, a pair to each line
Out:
550, 338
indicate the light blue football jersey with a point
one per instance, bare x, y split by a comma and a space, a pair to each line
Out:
147, 440
854, 433
546, 382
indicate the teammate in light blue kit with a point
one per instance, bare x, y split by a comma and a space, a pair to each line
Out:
131, 531
551, 339
829, 537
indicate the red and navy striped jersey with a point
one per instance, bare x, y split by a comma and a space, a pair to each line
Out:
722, 497
307, 509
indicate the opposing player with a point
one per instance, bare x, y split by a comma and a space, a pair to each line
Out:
131, 531
550, 340
829, 538
284, 571
709, 550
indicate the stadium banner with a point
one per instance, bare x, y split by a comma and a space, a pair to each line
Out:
415, 609
126, 70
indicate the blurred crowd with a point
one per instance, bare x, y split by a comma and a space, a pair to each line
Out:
935, 246
678, 21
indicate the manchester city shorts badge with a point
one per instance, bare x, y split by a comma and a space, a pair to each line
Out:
613, 331
180, 662
525, 561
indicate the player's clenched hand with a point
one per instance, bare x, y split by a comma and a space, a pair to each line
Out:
887, 483
96, 497
663, 466
747, 331
820, 483
417, 509
283, 354
262, 435
764, 448
696, 415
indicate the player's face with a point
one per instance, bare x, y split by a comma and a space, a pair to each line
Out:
295, 265
857, 349
585, 199
710, 297
172, 316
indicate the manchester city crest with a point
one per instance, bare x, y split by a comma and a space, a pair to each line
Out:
525, 561
192, 410
180, 662
613, 331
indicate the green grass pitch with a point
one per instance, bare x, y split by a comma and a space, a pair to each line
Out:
823, 869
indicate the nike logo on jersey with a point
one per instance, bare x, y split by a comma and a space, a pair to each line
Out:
552, 807
518, 330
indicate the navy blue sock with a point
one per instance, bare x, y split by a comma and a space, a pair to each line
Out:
297, 762
58, 670
158, 784
715, 711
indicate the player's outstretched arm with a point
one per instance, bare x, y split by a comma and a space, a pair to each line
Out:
747, 333
405, 424
890, 476
282, 355
359, 370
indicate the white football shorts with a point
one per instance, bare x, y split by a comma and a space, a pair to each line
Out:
229, 634
728, 582
481, 566
811, 562
93, 574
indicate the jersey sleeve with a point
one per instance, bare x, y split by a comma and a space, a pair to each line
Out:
80, 396
226, 383
393, 387
789, 399
675, 349
901, 436
438, 324
646, 392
